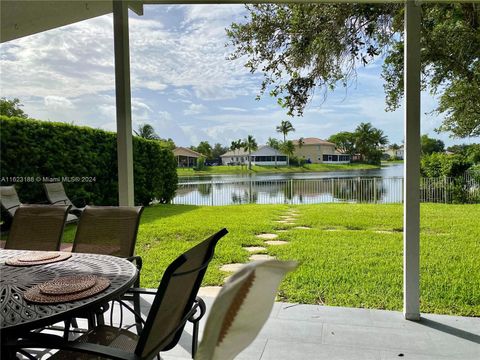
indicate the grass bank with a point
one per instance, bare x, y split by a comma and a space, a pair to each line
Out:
351, 256
224, 169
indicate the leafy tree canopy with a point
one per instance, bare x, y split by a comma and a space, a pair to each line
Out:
430, 146
11, 108
365, 141
204, 148
301, 48
344, 142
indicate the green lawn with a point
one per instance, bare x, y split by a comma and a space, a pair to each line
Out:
352, 256
224, 169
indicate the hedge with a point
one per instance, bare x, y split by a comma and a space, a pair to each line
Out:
85, 158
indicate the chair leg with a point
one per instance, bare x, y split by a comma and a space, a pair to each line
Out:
136, 307
195, 339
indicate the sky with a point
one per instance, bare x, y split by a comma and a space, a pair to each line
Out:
182, 83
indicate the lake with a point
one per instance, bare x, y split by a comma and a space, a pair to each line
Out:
383, 185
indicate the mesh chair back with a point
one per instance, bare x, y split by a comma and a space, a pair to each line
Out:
37, 227
175, 298
9, 199
56, 193
109, 230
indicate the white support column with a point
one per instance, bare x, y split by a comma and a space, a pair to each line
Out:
411, 216
123, 103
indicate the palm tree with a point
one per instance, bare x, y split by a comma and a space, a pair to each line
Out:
274, 144
236, 145
285, 127
301, 142
368, 139
288, 148
146, 131
250, 144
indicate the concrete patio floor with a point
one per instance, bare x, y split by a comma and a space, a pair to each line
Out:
301, 332
298, 332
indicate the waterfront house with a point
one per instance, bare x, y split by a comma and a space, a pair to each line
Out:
235, 157
394, 153
186, 157
318, 151
264, 155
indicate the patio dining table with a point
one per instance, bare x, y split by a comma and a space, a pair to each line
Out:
18, 316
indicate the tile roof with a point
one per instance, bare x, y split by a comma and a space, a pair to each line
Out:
181, 151
313, 141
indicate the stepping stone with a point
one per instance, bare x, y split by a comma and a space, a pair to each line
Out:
226, 279
231, 267
260, 257
302, 227
267, 236
384, 232
276, 242
254, 248
209, 291
284, 222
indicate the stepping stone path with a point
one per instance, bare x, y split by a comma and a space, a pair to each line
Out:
302, 227
231, 267
287, 218
260, 257
276, 242
384, 232
267, 236
253, 249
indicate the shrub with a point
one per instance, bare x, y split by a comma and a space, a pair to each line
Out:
38, 149
438, 165
200, 163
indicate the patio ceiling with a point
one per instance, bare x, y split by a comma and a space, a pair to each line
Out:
23, 18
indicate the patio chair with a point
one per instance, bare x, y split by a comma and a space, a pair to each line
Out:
37, 227
241, 309
56, 195
110, 230
175, 303
9, 202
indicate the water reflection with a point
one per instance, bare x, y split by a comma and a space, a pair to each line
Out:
293, 191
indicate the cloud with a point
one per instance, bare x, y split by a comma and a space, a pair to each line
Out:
194, 109
232, 108
58, 102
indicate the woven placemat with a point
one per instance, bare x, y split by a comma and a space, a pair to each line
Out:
39, 258
68, 285
35, 294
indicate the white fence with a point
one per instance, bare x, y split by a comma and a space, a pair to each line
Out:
465, 189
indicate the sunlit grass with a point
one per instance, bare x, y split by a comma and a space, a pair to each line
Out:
351, 256
224, 169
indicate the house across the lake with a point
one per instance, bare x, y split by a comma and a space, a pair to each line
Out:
186, 157
318, 151
264, 156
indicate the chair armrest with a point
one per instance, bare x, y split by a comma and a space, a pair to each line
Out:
12, 207
137, 260
64, 201
141, 291
198, 304
49, 341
